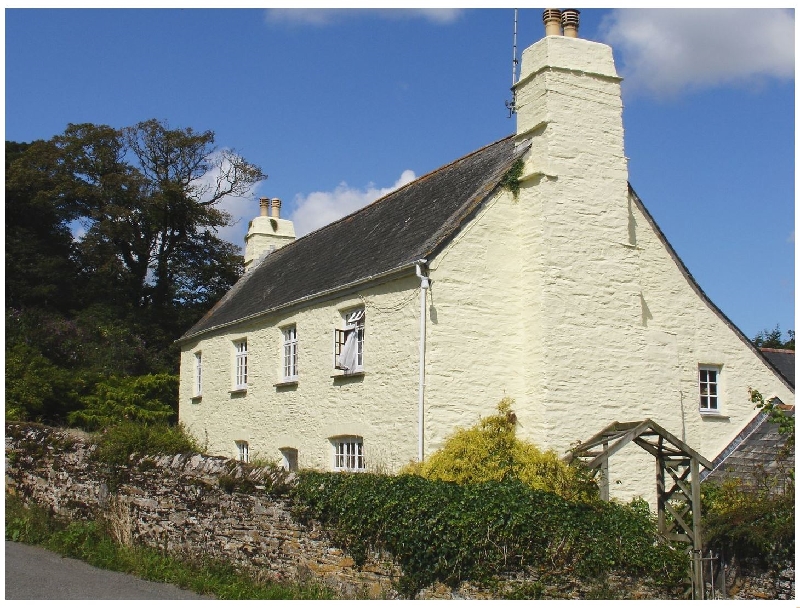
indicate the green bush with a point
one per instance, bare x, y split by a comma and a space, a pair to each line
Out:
148, 399
490, 451
116, 444
449, 532
749, 524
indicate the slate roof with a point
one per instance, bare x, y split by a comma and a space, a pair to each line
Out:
783, 360
388, 235
758, 455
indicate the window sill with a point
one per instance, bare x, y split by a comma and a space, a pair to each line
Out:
285, 383
714, 414
238, 391
359, 374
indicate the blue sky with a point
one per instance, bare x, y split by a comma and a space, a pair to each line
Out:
338, 107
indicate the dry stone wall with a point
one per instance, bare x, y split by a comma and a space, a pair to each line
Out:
208, 506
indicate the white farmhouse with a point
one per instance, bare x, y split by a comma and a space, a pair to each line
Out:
528, 269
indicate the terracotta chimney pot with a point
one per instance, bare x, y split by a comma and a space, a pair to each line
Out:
570, 19
264, 204
551, 17
276, 208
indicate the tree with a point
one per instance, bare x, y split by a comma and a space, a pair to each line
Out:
774, 339
111, 252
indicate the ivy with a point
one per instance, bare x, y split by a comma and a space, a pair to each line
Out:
449, 532
511, 180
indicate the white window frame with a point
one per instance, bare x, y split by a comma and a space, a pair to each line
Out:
348, 454
198, 373
240, 364
244, 450
290, 371
708, 381
354, 322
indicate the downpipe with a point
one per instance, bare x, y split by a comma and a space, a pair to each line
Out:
424, 284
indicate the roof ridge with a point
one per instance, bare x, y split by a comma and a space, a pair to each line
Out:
775, 350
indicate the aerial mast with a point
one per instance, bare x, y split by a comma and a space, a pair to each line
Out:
512, 105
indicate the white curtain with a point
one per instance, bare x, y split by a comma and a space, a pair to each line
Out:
348, 358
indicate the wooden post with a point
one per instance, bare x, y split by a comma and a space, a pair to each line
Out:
605, 491
697, 552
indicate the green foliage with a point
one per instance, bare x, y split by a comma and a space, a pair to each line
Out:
147, 399
747, 523
116, 444
511, 180
449, 532
91, 542
35, 387
112, 300
776, 414
490, 451
774, 339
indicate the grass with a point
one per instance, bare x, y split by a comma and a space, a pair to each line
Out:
92, 543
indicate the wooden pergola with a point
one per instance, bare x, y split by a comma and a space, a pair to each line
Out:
677, 480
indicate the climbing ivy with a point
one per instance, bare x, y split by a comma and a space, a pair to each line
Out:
449, 532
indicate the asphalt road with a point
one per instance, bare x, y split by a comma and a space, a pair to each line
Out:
33, 573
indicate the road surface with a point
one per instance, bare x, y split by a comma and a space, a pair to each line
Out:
33, 573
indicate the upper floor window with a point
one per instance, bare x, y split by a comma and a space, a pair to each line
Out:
198, 374
349, 343
241, 363
348, 454
709, 388
290, 353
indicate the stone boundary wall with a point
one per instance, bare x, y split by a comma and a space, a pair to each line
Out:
189, 505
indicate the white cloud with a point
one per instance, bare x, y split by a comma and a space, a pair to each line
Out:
327, 16
321, 208
665, 51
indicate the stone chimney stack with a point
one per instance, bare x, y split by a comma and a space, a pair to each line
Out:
266, 233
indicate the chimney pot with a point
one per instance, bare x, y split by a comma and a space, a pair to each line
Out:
276, 208
570, 19
264, 204
551, 17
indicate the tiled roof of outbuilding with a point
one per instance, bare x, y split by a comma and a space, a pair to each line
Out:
759, 455
390, 234
783, 360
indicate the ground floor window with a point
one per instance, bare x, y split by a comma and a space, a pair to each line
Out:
289, 459
348, 454
244, 451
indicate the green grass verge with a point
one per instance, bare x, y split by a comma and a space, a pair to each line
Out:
89, 542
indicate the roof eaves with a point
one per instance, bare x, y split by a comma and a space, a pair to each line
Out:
339, 290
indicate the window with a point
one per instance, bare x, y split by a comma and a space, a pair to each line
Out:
290, 353
241, 364
709, 388
289, 459
198, 374
348, 454
349, 343
244, 451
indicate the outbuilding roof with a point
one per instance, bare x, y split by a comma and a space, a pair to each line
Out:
388, 235
783, 360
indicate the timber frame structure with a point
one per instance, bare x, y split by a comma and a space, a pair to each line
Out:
677, 480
